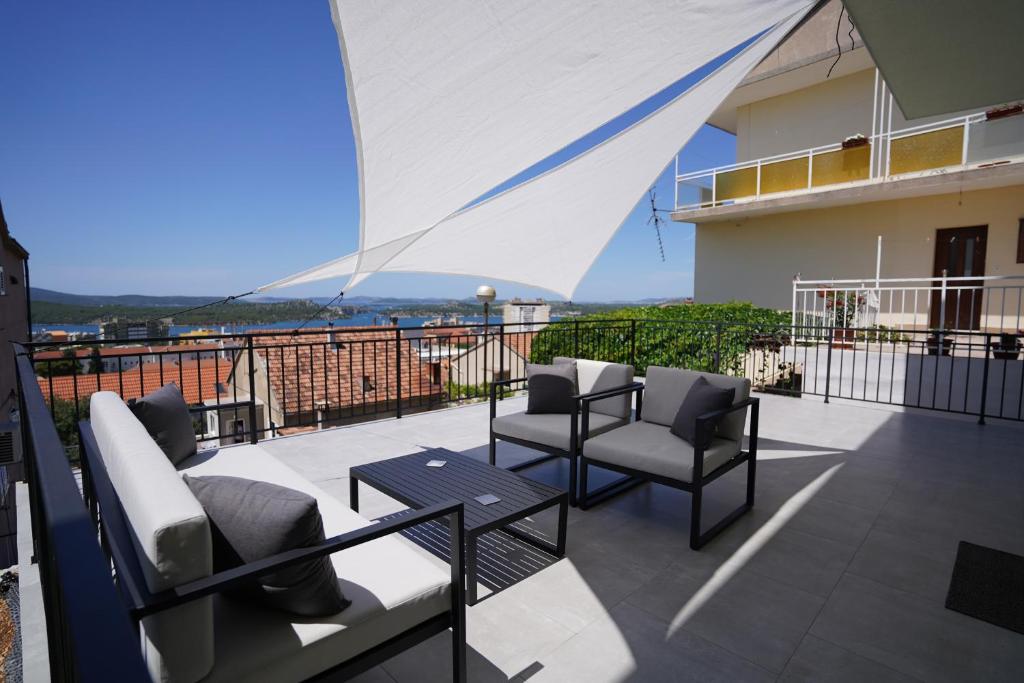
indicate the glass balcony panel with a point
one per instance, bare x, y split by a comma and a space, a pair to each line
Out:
934, 149
996, 139
736, 184
783, 176
841, 166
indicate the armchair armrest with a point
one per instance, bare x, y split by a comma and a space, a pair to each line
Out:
229, 578
586, 399
704, 423
494, 392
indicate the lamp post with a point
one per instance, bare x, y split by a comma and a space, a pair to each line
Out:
485, 294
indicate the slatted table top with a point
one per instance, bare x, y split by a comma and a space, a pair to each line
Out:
409, 480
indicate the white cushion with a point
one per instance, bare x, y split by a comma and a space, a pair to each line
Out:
392, 585
665, 389
595, 375
172, 537
551, 429
652, 448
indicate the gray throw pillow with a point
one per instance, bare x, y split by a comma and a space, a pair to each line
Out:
165, 416
251, 520
550, 388
702, 398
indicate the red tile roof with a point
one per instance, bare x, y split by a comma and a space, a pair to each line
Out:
308, 370
197, 381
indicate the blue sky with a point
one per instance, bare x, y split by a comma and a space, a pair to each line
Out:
205, 148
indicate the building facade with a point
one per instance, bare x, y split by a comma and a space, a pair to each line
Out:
527, 316
832, 183
14, 312
135, 329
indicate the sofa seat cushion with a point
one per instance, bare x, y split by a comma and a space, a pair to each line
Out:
551, 430
654, 449
392, 586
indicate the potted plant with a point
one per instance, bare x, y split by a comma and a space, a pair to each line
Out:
939, 344
1008, 346
842, 307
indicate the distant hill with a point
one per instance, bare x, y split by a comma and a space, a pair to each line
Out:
143, 300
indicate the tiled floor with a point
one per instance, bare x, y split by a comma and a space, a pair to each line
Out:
838, 574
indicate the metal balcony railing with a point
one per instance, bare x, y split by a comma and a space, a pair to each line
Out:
961, 142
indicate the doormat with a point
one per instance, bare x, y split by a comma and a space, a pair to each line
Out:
988, 584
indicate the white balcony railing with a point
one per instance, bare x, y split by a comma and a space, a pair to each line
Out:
993, 303
966, 141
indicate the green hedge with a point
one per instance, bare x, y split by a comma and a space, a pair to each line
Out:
684, 336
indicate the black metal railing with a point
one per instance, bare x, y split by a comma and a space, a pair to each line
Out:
257, 385
89, 634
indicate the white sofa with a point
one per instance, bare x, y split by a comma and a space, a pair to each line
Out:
394, 588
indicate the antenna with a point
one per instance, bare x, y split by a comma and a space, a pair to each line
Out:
657, 221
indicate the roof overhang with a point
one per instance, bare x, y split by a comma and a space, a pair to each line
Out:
941, 56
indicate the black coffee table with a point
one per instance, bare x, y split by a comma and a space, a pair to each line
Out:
409, 480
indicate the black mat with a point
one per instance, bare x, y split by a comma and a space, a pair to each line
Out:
988, 584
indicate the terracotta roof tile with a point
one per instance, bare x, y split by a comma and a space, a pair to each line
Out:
197, 380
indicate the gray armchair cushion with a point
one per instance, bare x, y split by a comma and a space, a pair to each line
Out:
702, 398
551, 430
252, 520
165, 416
653, 449
596, 375
665, 389
550, 388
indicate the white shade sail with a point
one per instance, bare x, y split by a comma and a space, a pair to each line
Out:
548, 231
450, 99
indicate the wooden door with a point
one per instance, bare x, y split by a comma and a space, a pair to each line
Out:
959, 252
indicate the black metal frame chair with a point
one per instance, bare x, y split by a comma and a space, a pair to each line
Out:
574, 436
115, 534
695, 487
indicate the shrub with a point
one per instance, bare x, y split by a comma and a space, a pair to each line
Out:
685, 336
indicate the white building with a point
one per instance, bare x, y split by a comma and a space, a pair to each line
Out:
528, 316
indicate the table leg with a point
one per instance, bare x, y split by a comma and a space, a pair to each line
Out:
471, 596
563, 519
353, 493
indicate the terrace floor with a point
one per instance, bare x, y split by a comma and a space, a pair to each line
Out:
839, 573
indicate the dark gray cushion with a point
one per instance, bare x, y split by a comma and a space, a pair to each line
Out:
550, 388
702, 398
165, 416
251, 520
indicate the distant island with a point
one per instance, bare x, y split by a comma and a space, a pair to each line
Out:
50, 307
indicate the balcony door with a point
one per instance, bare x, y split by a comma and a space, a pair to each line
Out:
960, 252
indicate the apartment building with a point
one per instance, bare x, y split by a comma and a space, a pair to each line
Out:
922, 218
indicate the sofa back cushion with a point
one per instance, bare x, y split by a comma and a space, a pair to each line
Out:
666, 388
171, 535
595, 375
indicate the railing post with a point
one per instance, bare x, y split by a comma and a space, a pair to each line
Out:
253, 433
501, 359
718, 348
575, 337
828, 361
632, 342
984, 379
398, 372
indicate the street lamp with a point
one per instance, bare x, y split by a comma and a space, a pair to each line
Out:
485, 294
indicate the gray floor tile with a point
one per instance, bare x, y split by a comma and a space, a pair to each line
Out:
917, 636
818, 661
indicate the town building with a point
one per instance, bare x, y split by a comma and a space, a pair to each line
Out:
14, 311
526, 316
833, 183
135, 329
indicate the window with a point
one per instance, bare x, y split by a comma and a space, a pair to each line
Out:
1020, 241
367, 385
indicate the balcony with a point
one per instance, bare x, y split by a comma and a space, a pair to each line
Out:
970, 144
843, 564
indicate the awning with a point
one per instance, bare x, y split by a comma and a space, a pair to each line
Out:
448, 101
